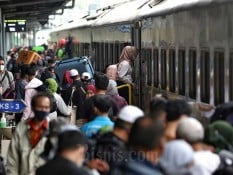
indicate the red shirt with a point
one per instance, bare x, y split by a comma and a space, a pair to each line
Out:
36, 131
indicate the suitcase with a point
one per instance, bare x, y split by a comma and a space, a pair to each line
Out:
28, 57
82, 64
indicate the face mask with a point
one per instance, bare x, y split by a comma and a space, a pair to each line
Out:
41, 115
2, 67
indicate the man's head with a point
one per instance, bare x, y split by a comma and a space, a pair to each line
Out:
41, 105
51, 63
31, 72
177, 109
74, 74
158, 108
146, 134
101, 81
190, 130
125, 120
102, 104
72, 145
2, 64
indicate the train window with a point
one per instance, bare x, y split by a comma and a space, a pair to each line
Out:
149, 66
219, 77
172, 70
163, 69
231, 76
192, 73
181, 71
101, 58
111, 53
106, 57
117, 51
205, 76
156, 67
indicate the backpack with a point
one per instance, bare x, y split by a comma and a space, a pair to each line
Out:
111, 72
10, 92
43, 88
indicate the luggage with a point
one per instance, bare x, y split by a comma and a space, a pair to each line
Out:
82, 64
28, 57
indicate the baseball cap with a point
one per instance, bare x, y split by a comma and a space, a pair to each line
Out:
130, 113
73, 72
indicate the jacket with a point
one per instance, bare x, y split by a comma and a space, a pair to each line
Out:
137, 165
61, 106
5, 83
22, 159
30, 91
125, 72
20, 88
61, 166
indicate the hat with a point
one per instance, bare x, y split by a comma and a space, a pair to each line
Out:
73, 72
130, 114
86, 76
190, 129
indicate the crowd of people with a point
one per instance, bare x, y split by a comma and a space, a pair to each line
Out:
114, 138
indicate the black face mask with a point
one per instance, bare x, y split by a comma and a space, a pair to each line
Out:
41, 115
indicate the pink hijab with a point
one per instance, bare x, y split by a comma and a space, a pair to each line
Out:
128, 53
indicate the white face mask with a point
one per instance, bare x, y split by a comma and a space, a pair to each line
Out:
2, 67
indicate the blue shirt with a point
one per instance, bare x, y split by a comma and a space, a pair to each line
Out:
91, 128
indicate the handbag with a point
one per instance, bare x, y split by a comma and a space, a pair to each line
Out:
72, 109
10, 92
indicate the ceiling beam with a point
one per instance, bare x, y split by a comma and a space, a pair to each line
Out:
31, 3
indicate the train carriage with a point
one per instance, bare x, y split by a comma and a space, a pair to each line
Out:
185, 46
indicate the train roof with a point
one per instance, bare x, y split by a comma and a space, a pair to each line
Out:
131, 11
171, 6
123, 13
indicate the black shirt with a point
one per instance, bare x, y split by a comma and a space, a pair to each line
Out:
60, 166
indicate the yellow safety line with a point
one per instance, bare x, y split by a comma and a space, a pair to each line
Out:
130, 91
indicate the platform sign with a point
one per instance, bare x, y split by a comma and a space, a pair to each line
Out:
12, 106
15, 25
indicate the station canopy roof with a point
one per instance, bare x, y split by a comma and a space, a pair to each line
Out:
32, 10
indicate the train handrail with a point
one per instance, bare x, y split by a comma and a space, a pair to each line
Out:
129, 91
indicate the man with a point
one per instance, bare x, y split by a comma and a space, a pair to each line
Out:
6, 77
145, 143
70, 155
101, 84
191, 130
49, 72
28, 140
30, 90
111, 146
101, 106
176, 110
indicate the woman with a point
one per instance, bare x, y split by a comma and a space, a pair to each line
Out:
61, 106
90, 90
124, 69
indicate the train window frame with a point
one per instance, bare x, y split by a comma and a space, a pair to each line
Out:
172, 69
156, 66
163, 62
205, 79
182, 71
231, 75
219, 76
192, 56
149, 65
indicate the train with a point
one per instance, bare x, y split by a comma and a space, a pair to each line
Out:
185, 47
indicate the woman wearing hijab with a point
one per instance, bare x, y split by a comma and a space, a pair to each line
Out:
178, 159
124, 69
61, 106
90, 90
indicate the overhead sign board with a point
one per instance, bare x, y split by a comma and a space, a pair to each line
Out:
12, 106
15, 25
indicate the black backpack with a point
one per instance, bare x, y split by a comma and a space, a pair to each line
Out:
44, 88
